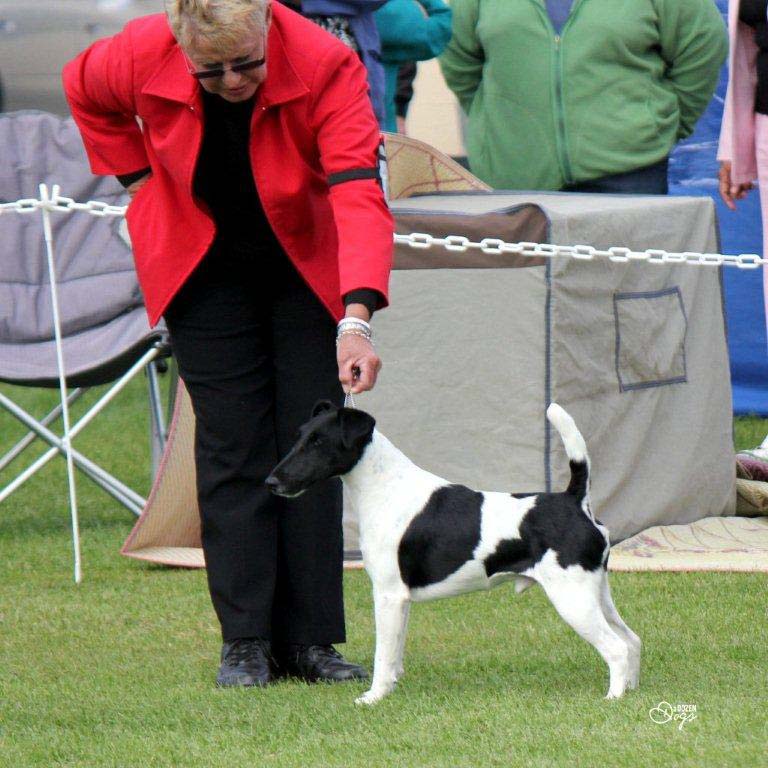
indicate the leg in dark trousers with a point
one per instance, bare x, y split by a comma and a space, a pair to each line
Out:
309, 605
255, 352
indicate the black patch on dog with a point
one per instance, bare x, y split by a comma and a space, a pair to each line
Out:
579, 479
442, 537
556, 521
522, 495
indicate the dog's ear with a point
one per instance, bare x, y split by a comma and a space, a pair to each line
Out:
355, 426
321, 406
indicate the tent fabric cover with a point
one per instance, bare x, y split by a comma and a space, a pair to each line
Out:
635, 352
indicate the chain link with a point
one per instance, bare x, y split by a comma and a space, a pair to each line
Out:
619, 255
457, 243
63, 205
20, 206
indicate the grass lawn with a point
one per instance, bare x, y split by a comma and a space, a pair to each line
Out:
119, 670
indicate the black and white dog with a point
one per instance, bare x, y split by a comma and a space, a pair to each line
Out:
423, 538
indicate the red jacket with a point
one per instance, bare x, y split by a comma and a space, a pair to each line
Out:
312, 129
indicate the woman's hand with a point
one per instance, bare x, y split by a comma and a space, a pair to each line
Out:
132, 189
729, 191
359, 365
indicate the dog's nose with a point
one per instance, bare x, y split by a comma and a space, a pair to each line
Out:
272, 483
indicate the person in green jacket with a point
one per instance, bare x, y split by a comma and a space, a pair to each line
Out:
410, 30
583, 95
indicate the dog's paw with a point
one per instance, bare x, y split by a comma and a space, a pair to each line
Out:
522, 583
369, 697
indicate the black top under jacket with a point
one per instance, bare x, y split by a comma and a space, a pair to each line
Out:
224, 181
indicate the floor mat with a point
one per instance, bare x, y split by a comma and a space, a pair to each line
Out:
711, 544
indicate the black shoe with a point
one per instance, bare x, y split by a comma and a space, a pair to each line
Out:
319, 663
246, 662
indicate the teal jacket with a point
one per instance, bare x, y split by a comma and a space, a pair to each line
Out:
621, 84
409, 31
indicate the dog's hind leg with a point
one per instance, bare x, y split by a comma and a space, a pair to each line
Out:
580, 606
621, 629
400, 668
391, 613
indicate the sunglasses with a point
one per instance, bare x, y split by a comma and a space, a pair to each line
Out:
245, 66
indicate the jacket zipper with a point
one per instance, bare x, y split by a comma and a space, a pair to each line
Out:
565, 160
561, 141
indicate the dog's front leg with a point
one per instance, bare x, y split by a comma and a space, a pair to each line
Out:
391, 610
400, 667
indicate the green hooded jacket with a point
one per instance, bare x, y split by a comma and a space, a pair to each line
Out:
621, 84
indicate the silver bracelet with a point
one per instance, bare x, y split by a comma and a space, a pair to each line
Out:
353, 321
350, 332
353, 325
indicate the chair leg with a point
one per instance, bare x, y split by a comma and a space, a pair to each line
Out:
157, 428
108, 482
30, 437
173, 390
104, 479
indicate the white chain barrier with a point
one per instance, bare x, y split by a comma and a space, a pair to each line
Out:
491, 245
62, 204
421, 240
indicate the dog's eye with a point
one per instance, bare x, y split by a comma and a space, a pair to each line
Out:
315, 440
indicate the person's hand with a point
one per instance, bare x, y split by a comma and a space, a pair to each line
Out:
132, 189
359, 365
729, 191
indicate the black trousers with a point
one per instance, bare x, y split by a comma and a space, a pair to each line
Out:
256, 350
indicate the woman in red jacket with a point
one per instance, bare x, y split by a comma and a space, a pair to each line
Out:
257, 222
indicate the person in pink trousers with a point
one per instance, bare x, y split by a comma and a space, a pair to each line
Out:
743, 150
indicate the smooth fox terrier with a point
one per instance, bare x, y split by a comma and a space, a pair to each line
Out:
423, 538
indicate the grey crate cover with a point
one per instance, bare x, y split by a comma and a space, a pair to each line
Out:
475, 348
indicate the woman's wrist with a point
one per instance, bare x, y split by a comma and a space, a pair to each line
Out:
357, 311
351, 325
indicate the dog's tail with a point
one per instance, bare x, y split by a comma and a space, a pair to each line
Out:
576, 449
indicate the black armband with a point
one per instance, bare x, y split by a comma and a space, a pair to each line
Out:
126, 179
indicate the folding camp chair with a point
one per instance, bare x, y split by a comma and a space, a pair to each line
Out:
105, 337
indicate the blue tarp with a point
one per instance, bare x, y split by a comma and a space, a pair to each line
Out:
693, 171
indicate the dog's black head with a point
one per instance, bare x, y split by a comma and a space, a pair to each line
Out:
329, 444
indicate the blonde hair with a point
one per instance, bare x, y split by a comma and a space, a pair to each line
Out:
221, 23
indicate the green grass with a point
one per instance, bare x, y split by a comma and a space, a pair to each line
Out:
119, 670
749, 432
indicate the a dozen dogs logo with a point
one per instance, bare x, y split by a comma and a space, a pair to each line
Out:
422, 537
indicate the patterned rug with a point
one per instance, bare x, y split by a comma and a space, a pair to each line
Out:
711, 544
